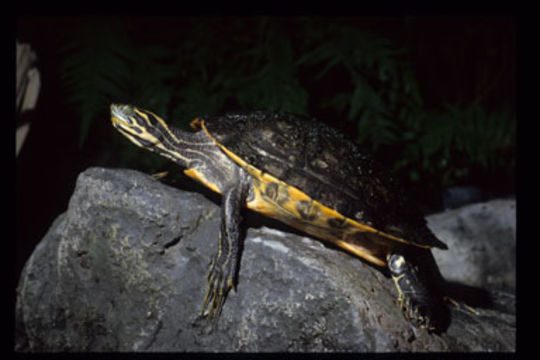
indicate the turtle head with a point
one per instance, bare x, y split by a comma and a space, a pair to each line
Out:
140, 126
145, 129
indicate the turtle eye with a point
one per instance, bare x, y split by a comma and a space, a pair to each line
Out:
122, 113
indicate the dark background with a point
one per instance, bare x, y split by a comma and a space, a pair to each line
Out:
432, 96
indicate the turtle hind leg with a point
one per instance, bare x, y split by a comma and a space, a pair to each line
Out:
419, 285
222, 274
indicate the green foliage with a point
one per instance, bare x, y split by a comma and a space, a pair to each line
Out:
94, 68
214, 64
250, 72
382, 82
458, 137
272, 79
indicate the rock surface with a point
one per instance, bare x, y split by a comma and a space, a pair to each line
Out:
482, 244
124, 270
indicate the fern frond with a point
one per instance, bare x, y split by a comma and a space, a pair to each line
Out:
94, 69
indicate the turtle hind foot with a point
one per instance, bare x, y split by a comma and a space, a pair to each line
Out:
430, 317
420, 296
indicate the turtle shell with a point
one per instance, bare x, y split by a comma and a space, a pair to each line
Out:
325, 165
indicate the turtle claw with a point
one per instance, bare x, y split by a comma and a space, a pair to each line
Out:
418, 314
218, 286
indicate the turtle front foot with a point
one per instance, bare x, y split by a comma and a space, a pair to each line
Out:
219, 283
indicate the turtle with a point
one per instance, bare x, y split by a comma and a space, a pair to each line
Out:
309, 176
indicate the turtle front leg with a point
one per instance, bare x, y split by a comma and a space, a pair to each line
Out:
224, 267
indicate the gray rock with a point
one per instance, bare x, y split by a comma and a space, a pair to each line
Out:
124, 270
482, 244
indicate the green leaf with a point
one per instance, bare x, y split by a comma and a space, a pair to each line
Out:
95, 69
